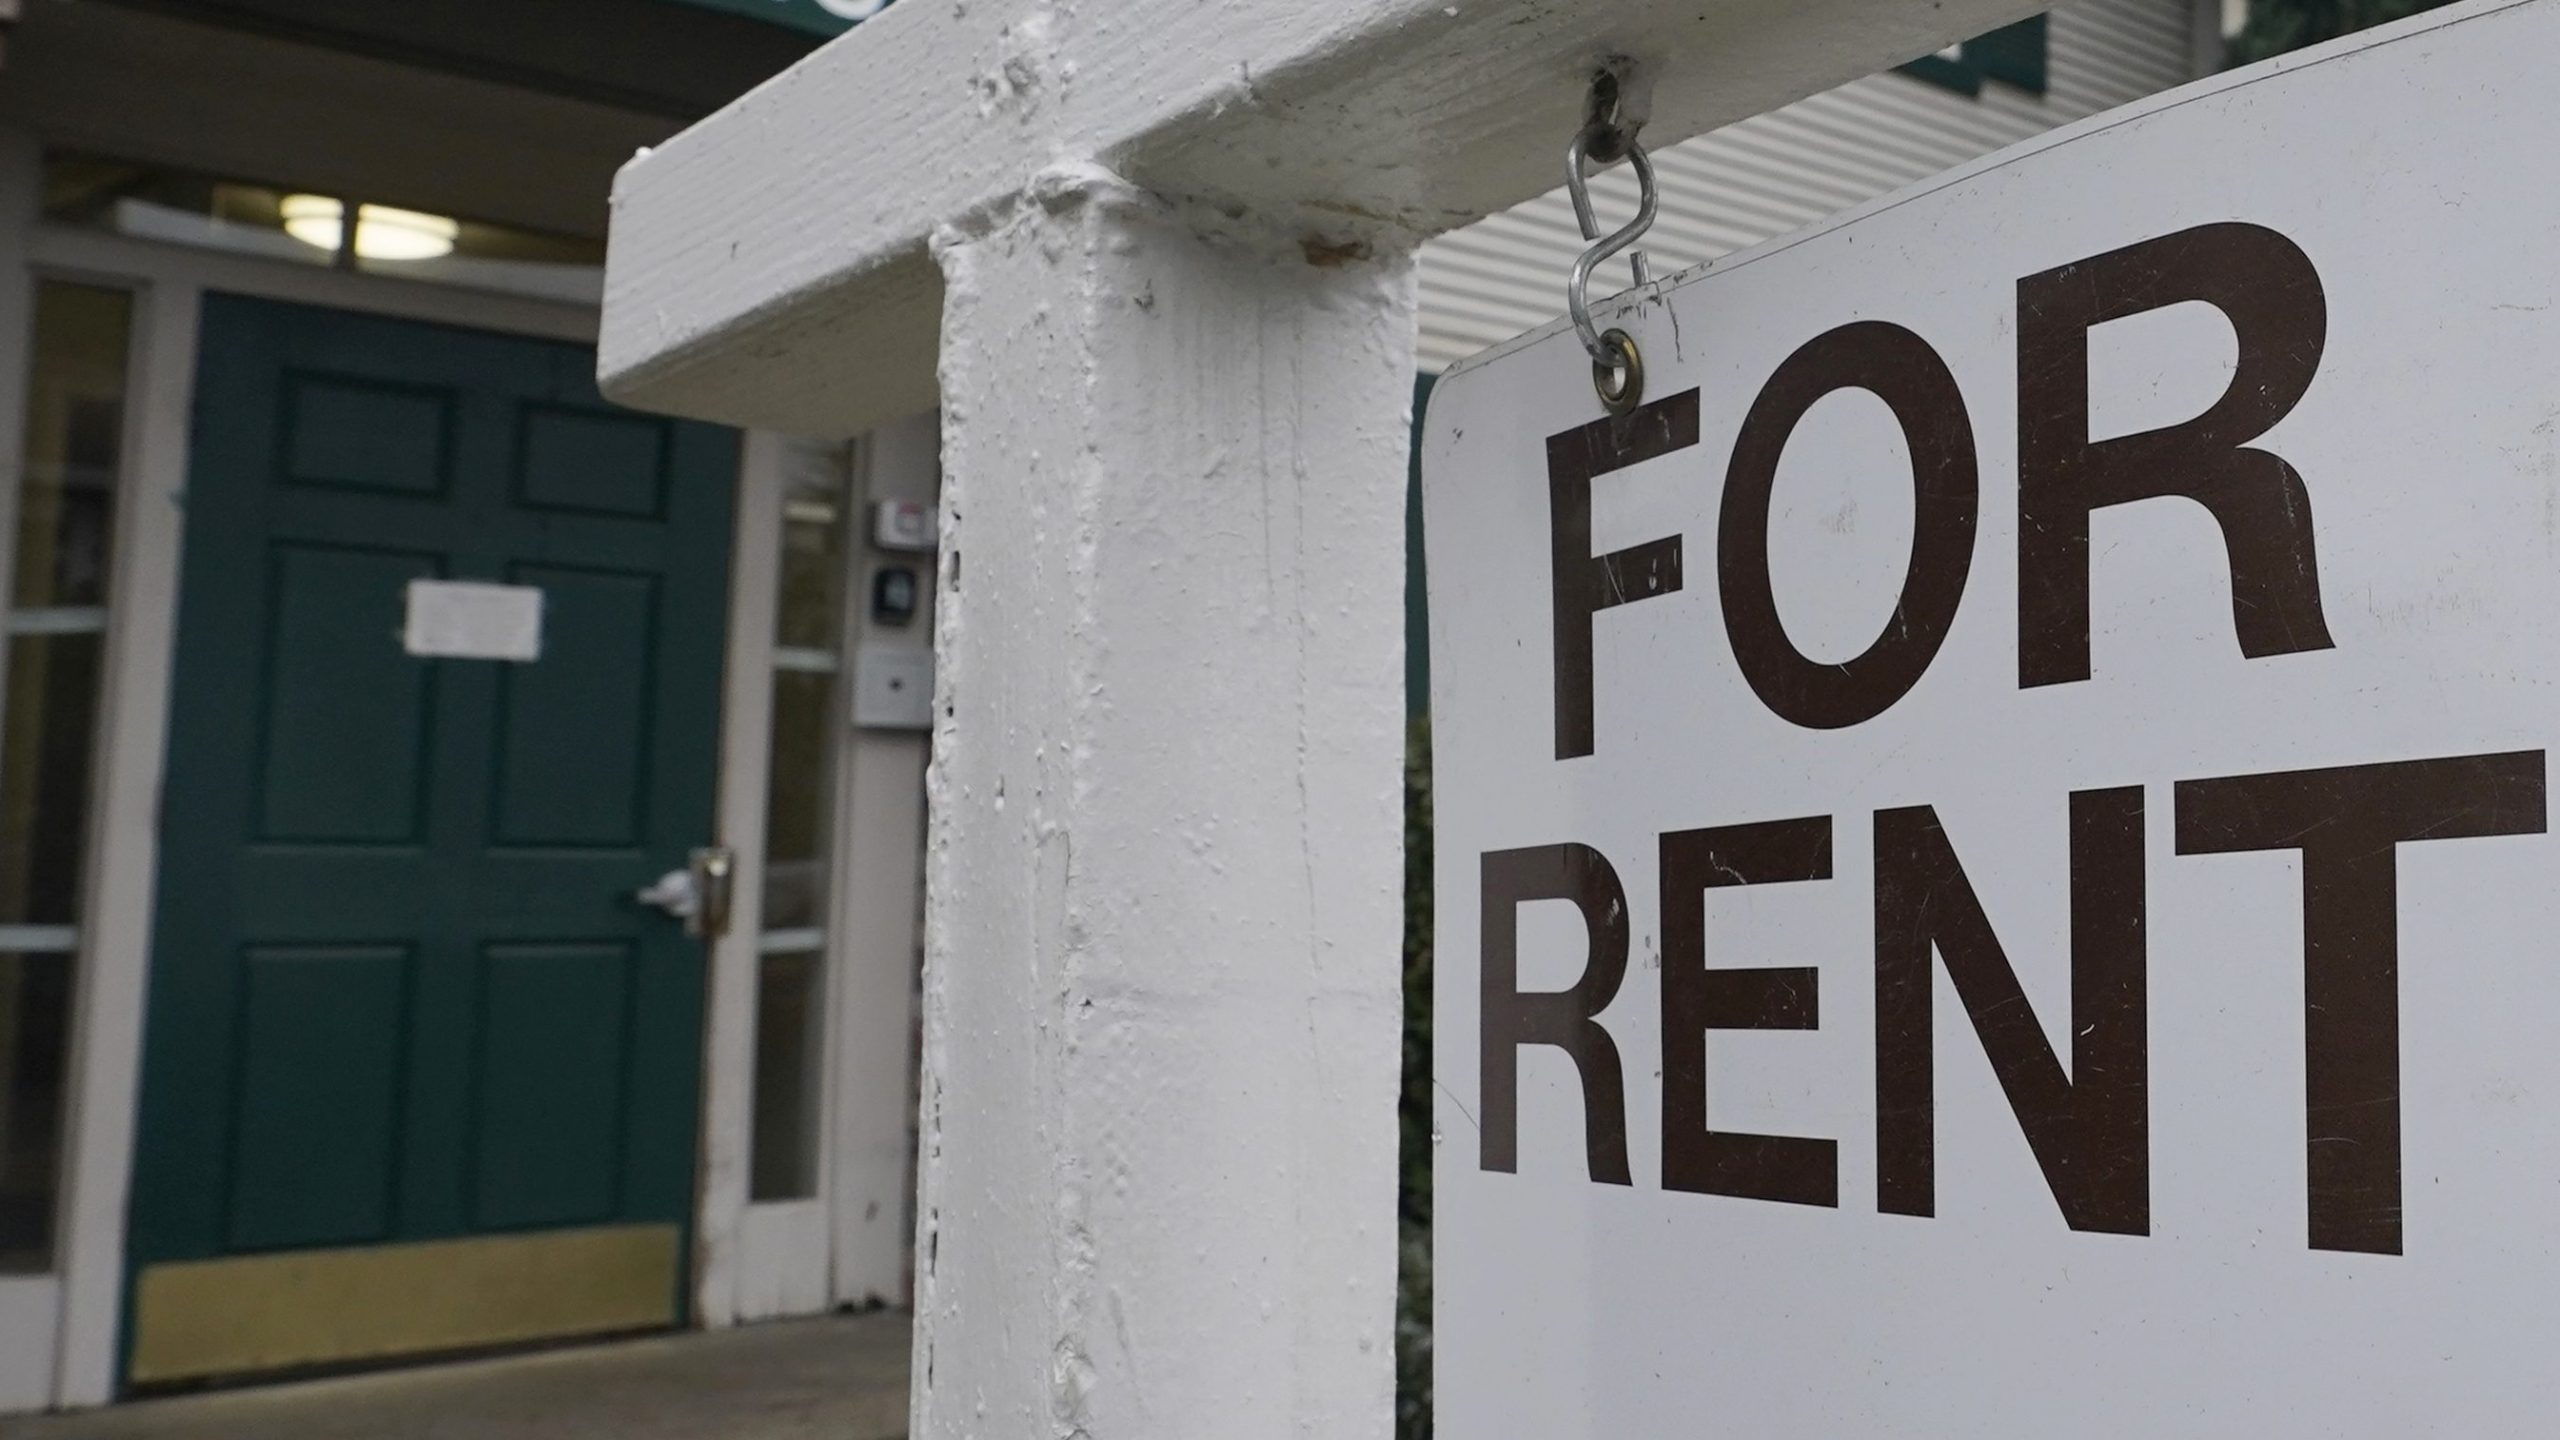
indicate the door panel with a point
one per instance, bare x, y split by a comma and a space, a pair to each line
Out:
313, 1164
554, 1030
582, 461
573, 757
367, 434
401, 999
352, 769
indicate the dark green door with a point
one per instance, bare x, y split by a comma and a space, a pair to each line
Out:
418, 1072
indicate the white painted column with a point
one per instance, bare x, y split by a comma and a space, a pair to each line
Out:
1161, 1005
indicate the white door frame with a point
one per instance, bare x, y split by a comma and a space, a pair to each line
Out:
113, 964
754, 1260
877, 905
847, 1243
729, 1031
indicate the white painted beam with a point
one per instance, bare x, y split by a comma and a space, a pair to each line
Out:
769, 266
1163, 887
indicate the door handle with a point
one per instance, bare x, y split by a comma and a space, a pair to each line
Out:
699, 894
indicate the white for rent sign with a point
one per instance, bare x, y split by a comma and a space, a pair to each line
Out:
1991, 837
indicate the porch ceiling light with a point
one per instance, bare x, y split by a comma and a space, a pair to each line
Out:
382, 232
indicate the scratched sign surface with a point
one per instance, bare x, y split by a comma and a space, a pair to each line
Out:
1993, 874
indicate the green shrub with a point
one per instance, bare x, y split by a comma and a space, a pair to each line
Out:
2276, 26
1413, 1270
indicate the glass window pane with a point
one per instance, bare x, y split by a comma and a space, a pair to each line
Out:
421, 246
48, 724
810, 612
155, 202
798, 796
75, 437
789, 1042
52, 724
74, 445
799, 816
35, 1012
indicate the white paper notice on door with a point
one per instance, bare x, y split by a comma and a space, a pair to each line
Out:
473, 620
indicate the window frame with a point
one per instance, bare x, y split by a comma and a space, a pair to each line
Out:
2018, 55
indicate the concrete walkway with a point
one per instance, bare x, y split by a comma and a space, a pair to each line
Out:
839, 1378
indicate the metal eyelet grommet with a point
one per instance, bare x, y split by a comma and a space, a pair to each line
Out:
1620, 379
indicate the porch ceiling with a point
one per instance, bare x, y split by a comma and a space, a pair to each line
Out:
147, 84
649, 56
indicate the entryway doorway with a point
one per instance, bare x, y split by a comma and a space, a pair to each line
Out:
420, 1073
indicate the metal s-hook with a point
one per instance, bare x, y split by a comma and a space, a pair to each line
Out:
1617, 368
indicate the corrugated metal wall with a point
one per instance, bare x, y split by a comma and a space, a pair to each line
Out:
1783, 170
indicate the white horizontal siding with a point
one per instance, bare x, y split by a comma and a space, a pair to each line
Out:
1778, 172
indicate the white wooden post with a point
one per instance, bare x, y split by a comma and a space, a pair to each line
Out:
1161, 1042
1163, 932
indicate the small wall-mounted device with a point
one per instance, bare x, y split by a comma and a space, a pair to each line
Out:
893, 595
906, 526
893, 687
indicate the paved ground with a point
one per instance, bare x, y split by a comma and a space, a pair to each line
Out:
841, 1378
